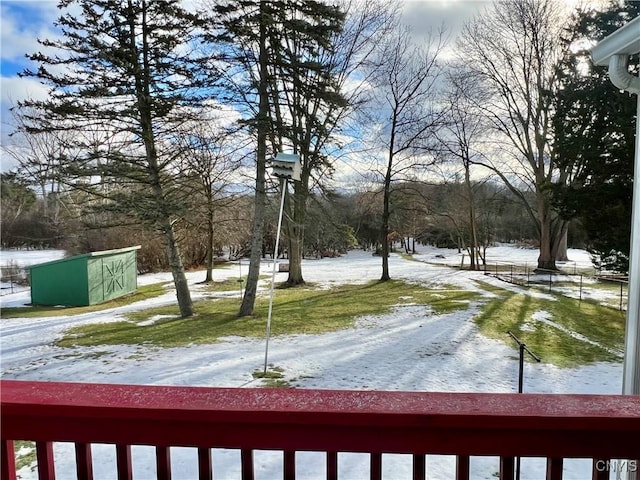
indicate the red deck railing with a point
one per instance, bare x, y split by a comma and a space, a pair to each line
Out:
290, 420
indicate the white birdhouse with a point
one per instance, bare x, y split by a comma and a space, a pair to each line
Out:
286, 165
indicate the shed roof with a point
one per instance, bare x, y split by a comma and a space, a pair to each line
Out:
100, 253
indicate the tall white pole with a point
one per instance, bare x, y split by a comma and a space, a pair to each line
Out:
631, 369
631, 372
614, 51
283, 184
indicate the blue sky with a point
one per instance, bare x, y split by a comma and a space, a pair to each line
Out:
19, 21
21, 24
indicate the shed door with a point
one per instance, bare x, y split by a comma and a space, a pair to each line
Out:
113, 277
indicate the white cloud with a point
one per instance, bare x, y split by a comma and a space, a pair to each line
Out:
14, 89
22, 24
426, 16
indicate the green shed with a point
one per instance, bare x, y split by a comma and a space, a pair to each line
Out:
85, 279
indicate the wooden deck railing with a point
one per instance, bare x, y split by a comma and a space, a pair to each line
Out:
294, 420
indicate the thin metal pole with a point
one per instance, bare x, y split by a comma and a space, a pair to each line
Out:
580, 288
520, 385
283, 185
521, 369
523, 348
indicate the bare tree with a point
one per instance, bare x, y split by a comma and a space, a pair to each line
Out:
403, 115
243, 29
298, 58
512, 51
38, 157
211, 156
461, 138
314, 89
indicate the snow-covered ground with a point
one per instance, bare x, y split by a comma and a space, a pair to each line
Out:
24, 258
409, 349
20, 259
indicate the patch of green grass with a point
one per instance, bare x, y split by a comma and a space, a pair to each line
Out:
447, 300
295, 311
488, 287
272, 378
609, 286
275, 383
144, 292
512, 311
229, 284
25, 454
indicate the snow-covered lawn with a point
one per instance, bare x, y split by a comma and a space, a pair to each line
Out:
24, 258
408, 349
15, 258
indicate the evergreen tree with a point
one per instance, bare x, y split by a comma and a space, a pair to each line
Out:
319, 80
123, 76
594, 139
306, 101
243, 26
284, 74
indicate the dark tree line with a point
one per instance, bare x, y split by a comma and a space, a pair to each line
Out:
429, 214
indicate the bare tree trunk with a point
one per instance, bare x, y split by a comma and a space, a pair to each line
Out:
210, 232
295, 230
384, 231
295, 262
253, 274
561, 249
559, 246
165, 225
163, 219
472, 220
546, 260
177, 271
248, 301
45, 202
